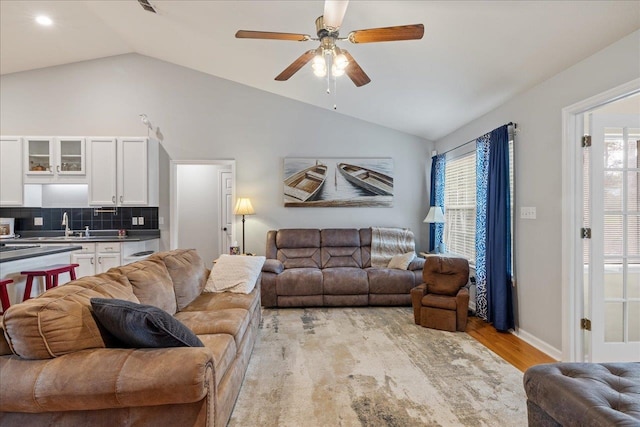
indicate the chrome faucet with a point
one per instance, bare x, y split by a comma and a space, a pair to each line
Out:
65, 222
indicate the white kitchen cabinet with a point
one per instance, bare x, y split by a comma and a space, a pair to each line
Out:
123, 172
11, 171
55, 160
86, 260
107, 256
95, 258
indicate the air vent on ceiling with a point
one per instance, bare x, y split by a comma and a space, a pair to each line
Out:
146, 6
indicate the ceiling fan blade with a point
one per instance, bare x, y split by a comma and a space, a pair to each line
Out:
334, 11
295, 66
355, 73
245, 34
387, 34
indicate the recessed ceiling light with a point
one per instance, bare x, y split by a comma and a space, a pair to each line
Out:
44, 20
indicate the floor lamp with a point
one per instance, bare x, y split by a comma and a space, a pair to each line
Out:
243, 207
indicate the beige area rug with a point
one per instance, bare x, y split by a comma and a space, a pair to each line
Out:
373, 367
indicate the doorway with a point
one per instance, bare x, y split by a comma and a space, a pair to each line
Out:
600, 227
201, 197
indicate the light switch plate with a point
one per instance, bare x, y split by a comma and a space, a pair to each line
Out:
161, 220
140, 220
528, 212
134, 220
37, 220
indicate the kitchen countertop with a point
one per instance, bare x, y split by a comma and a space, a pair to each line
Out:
32, 252
97, 237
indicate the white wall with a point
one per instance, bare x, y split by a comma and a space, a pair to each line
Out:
204, 117
539, 177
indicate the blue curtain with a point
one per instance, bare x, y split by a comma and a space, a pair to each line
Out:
498, 246
482, 182
436, 198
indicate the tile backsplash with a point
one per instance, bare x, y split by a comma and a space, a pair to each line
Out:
79, 218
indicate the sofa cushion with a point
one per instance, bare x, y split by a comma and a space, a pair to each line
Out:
151, 283
142, 326
345, 281
439, 301
339, 237
232, 321
342, 256
233, 273
299, 281
365, 246
299, 248
209, 301
60, 320
188, 274
390, 281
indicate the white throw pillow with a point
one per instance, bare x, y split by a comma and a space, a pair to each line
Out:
401, 261
234, 273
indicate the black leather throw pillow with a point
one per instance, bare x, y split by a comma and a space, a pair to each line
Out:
142, 326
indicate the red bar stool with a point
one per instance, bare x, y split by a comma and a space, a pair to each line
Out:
50, 274
4, 295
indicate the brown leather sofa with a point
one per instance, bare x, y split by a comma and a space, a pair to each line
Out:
56, 367
331, 267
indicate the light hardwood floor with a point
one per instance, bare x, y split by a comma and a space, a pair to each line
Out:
508, 346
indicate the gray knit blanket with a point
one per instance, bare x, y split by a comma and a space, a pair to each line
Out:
387, 242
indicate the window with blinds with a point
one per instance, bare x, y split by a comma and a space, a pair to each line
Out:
460, 206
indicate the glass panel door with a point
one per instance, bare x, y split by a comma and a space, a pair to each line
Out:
615, 214
71, 156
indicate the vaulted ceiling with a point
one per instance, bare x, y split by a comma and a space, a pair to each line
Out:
474, 56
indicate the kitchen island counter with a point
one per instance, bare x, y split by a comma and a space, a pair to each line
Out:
32, 252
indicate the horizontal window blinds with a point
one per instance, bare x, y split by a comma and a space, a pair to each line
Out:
460, 206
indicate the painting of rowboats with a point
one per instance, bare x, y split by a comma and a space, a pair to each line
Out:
338, 182
305, 185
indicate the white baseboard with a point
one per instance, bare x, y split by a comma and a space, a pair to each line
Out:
538, 343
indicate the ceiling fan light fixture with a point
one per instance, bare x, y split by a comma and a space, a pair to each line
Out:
336, 71
341, 61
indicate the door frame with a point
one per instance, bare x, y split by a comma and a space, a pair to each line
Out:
173, 212
572, 286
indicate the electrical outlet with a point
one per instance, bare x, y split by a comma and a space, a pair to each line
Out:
160, 220
140, 220
134, 220
37, 220
528, 212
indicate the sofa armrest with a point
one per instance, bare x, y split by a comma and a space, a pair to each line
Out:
106, 378
273, 266
416, 264
416, 297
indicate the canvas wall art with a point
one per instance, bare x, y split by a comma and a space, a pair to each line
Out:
338, 182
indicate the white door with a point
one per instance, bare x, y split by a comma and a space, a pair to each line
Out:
614, 208
196, 205
226, 210
102, 171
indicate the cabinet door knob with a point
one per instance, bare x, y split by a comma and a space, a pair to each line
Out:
99, 260
113, 199
57, 168
120, 199
91, 260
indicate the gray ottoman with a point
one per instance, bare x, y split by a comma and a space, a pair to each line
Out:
583, 394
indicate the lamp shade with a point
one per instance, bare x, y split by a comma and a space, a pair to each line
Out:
243, 207
435, 215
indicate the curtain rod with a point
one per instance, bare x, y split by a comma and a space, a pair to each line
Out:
515, 126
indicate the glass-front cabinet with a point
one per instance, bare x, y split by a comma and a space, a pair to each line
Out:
39, 156
50, 159
70, 156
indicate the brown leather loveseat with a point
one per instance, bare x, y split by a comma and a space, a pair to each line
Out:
331, 267
57, 366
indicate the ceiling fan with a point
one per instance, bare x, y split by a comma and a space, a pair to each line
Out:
328, 57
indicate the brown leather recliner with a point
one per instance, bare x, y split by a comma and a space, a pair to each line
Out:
442, 300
